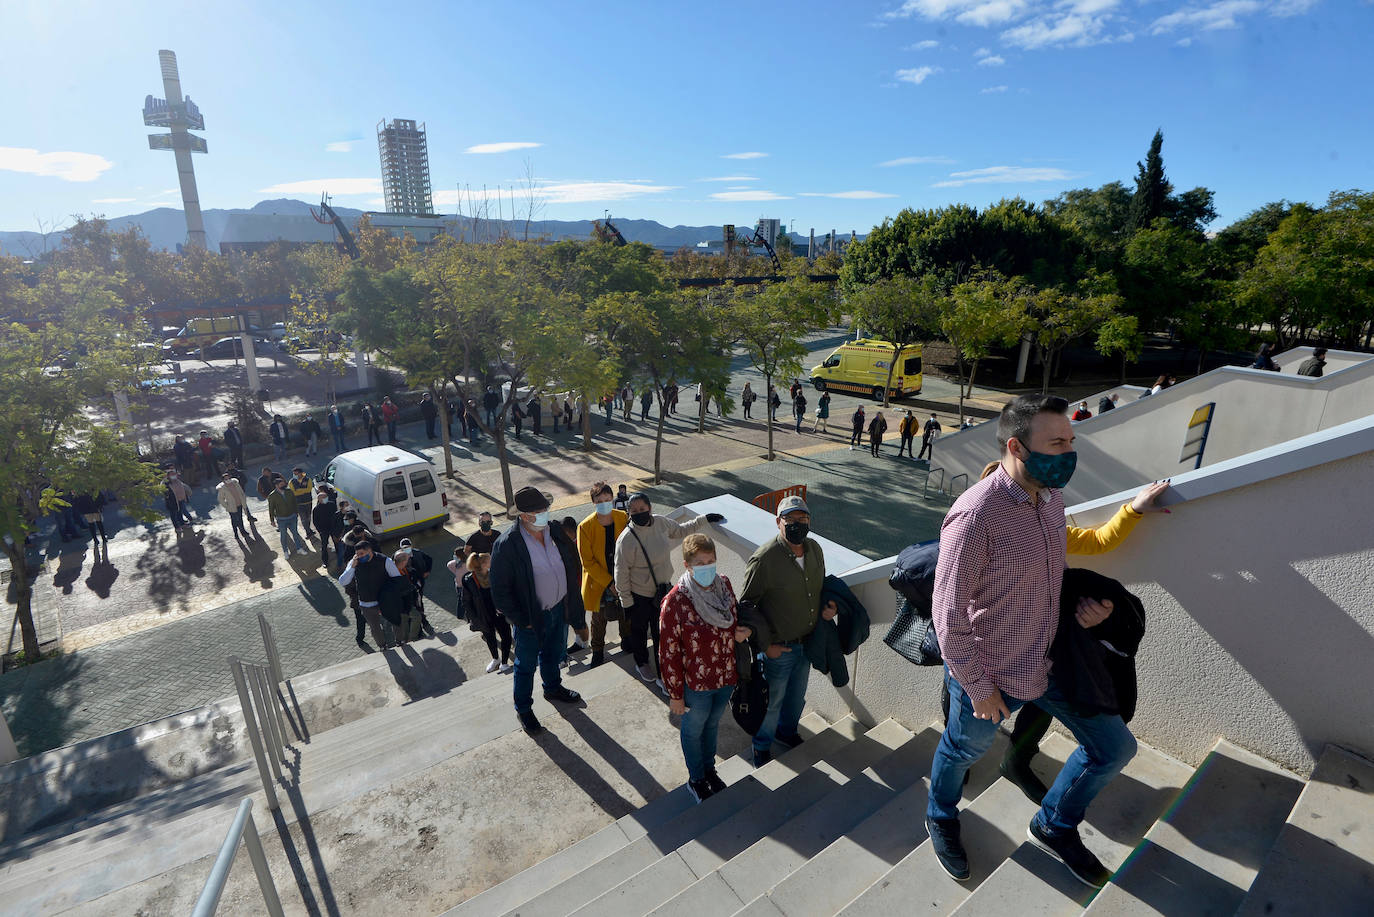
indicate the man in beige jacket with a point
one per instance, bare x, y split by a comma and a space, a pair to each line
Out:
231, 497
644, 573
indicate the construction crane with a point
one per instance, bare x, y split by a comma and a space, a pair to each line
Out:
328, 217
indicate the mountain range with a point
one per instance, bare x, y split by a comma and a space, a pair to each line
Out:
291, 220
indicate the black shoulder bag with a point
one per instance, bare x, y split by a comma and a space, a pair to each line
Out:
661, 590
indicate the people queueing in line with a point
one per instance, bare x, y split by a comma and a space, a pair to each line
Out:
233, 441
367, 572
310, 432
747, 398
183, 457
91, 508
229, 493
597, 536
782, 602
643, 570
482, 615
372, 421
1314, 365
1082, 413
535, 582
1107, 403
484, 539
798, 408
328, 522
1265, 358
929, 434
876, 428
177, 498
355, 535
470, 418
490, 402
429, 413
281, 437
627, 402
698, 630
774, 402
622, 499
281, 512
390, 413
907, 430
996, 660
822, 413
408, 614
857, 423
303, 489
209, 465
581, 637
536, 413
337, 428
646, 398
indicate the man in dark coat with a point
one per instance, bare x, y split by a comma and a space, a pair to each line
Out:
430, 412
233, 438
536, 582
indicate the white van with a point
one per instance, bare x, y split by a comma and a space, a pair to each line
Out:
393, 491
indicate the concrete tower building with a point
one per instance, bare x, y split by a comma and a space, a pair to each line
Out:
180, 115
405, 167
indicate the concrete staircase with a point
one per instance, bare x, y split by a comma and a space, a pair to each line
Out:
836, 827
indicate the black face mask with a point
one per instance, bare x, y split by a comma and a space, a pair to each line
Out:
796, 532
486, 526
642, 518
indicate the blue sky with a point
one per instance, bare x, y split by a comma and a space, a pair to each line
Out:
826, 115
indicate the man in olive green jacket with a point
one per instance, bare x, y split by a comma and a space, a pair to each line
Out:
783, 581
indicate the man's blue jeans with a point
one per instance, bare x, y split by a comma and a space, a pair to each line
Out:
542, 647
700, 725
1105, 746
279, 450
787, 677
338, 440
285, 525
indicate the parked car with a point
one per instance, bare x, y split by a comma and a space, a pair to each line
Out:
223, 349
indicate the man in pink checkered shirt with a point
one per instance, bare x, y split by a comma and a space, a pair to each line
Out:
996, 610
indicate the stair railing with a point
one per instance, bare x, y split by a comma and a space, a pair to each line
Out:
939, 486
256, 684
245, 830
953, 484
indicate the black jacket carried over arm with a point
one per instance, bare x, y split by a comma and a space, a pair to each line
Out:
831, 641
1094, 668
512, 579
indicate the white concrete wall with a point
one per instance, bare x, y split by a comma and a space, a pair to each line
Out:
1259, 593
1142, 439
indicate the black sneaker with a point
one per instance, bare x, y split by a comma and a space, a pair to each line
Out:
1018, 771
700, 789
714, 780
762, 757
529, 722
565, 695
790, 741
1068, 849
598, 657
949, 850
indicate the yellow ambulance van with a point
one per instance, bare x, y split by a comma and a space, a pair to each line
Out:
860, 367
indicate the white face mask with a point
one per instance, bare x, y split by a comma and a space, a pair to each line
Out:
541, 520
604, 509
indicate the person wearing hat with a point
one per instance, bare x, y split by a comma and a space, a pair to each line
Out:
643, 568
780, 604
420, 567
536, 582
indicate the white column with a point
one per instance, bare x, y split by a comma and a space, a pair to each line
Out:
1023, 359
121, 400
362, 368
250, 360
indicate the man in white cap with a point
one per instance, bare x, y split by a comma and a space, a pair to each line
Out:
536, 582
780, 603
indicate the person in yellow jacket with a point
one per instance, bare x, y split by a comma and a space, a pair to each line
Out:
596, 538
1031, 722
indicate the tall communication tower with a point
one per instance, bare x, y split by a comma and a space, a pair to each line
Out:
180, 115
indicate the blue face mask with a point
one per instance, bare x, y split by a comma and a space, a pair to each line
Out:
541, 520
604, 509
705, 574
1052, 470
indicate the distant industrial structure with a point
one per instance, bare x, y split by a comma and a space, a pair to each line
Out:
404, 151
768, 228
181, 115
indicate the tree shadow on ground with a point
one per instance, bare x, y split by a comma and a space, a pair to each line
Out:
174, 565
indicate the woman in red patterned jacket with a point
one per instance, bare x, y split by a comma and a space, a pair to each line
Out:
698, 627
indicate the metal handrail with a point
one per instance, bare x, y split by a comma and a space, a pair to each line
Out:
256, 684
243, 829
269, 643
925, 490
955, 480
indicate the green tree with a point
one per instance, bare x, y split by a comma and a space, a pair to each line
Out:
1058, 317
977, 316
769, 326
1152, 188
901, 311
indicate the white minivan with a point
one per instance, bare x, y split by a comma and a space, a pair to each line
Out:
393, 491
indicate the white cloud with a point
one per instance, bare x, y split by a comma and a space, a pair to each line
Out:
982, 52
751, 195
1224, 14
744, 156
927, 45
113, 200
340, 146
504, 147
847, 195
1001, 175
916, 75
342, 187
968, 12
991, 90
731, 178
1285, 8
550, 192
65, 165
993, 61
916, 161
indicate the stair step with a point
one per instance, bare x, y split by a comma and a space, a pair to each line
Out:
758, 868
693, 859
1323, 859
578, 882
1032, 881
993, 826
341, 764
1201, 857
858, 858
